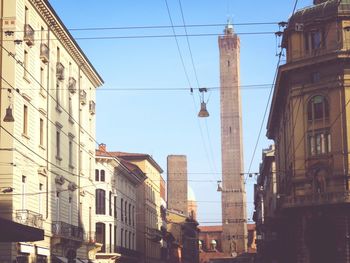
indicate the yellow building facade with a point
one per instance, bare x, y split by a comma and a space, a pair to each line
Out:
309, 123
47, 151
149, 221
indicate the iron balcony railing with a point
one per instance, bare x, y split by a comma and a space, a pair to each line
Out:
29, 218
28, 35
67, 231
325, 198
72, 85
92, 107
83, 95
44, 53
59, 71
126, 251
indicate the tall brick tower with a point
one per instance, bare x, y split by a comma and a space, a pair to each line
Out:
177, 183
233, 199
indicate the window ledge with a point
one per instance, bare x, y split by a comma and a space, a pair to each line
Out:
42, 147
70, 119
42, 94
58, 108
58, 158
71, 167
25, 77
25, 136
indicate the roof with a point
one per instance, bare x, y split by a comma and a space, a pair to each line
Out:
137, 156
132, 168
210, 228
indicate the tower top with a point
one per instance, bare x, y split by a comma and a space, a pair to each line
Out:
229, 27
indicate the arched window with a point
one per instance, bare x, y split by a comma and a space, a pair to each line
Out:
317, 108
100, 235
100, 202
97, 175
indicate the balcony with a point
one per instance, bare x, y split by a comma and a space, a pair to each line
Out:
72, 85
67, 231
83, 97
28, 35
59, 71
316, 199
92, 107
29, 218
44, 53
155, 234
126, 252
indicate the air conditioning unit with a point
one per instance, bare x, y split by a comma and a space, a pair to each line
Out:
299, 27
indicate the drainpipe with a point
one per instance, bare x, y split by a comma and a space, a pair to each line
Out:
79, 148
47, 123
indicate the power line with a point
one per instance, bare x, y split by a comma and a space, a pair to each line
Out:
155, 27
156, 36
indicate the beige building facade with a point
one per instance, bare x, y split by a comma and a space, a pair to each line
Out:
47, 150
116, 182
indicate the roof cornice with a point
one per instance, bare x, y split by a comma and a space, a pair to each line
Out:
56, 25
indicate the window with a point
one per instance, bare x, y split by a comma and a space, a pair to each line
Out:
129, 214
121, 237
42, 34
25, 120
70, 210
58, 54
121, 209
110, 203
110, 238
129, 240
115, 239
125, 214
115, 208
316, 39
41, 139
70, 109
100, 202
58, 144
102, 175
40, 198
42, 78
23, 199
317, 108
97, 175
58, 206
70, 153
126, 238
25, 63
100, 235
133, 215
319, 143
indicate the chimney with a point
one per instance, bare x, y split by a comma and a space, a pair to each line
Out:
316, 2
102, 147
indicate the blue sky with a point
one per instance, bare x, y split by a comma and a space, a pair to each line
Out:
163, 122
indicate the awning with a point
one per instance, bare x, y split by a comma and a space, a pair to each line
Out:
15, 232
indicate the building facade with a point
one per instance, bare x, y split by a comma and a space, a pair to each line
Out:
149, 205
265, 202
47, 148
310, 127
233, 192
116, 184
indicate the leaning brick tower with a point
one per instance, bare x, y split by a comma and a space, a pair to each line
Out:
233, 199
